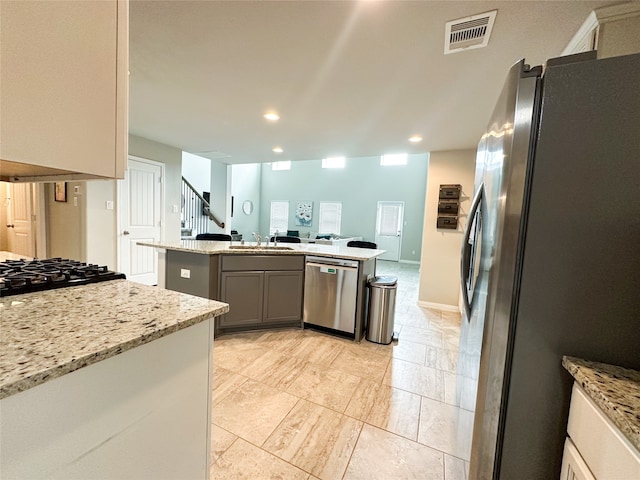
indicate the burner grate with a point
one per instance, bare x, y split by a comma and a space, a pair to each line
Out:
23, 276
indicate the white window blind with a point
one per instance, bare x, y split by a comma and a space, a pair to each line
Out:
389, 220
330, 217
279, 217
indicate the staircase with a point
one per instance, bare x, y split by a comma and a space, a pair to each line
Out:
196, 210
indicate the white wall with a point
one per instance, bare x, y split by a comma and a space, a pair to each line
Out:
245, 185
440, 259
197, 171
101, 223
66, 223
220, 196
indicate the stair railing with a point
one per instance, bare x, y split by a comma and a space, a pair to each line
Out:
196, 211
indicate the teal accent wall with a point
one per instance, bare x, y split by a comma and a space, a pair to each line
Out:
245, 185
359, 186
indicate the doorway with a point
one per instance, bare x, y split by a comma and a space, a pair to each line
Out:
24, 222
389, 229
140, 218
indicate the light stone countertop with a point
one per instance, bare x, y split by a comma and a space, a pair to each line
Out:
208, 247
615, 390
44, 335
4, 256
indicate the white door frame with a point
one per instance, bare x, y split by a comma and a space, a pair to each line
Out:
380, 204
119, 194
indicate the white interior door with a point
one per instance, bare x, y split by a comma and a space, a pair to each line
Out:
389, 229
20, 231
140, 214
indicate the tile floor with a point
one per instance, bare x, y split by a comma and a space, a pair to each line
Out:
299, 404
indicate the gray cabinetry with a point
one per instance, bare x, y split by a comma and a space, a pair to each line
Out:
261, 290
243, 290
282, 296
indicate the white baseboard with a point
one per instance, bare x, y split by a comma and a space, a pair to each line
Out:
413, 262
440, 306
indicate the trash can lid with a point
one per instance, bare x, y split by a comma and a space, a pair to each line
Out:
383, 281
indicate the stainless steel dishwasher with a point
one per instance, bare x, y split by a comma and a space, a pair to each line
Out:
330, 292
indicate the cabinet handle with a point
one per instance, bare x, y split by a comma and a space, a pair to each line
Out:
126, 232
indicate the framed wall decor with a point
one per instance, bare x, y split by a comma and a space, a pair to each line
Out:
304, 214
60, 192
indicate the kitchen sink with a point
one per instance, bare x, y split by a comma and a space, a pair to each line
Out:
258, 247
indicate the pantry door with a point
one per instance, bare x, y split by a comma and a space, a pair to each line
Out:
389, 229
140, 215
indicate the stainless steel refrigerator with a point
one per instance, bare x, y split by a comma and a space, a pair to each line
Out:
551, 256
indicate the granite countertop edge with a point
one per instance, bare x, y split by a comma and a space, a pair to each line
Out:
208, 247
17, 384
616, 390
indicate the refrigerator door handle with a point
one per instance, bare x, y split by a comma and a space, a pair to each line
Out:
465, 257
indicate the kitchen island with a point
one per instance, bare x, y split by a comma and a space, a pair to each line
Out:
106, 380
263, 284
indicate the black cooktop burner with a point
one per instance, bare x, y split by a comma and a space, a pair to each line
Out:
24, 276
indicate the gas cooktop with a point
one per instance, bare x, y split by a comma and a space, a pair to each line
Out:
24, 276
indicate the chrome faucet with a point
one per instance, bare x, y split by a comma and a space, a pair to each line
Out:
275, 238
257, 237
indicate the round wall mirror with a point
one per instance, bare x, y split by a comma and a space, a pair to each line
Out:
247, 207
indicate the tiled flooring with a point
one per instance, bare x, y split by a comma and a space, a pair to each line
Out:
298, 404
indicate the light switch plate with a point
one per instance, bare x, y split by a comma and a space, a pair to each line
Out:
109, 204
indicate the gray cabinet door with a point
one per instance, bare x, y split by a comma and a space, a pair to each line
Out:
283, 296
243, 292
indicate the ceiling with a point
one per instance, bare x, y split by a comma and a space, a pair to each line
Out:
347, 78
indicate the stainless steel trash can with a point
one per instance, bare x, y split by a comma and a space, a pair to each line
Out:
382, 307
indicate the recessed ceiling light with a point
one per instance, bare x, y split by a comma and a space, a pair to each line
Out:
415, 138
277, 150
272, 116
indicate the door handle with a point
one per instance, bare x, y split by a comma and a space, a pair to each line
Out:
10, 226
126, 232
465, 255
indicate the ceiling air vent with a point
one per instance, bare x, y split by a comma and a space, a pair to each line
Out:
214, 155
469, 32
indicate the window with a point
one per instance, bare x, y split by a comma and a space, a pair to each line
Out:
394, 159
330, 217
283, 165
333, 162
279, 217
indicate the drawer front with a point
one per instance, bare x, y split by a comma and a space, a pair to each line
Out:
609, 455
231, 263
573, 465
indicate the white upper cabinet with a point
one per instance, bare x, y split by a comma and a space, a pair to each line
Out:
611, 31
64, 95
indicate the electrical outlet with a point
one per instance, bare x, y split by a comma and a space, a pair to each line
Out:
175, 209
75, 201
413, 252
185, 273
